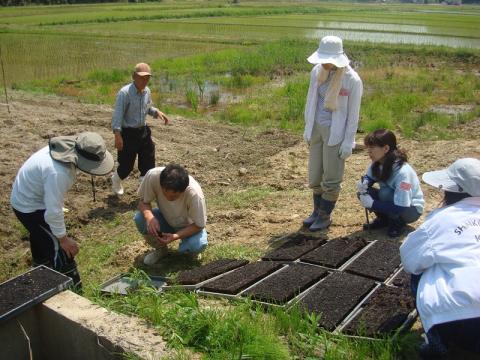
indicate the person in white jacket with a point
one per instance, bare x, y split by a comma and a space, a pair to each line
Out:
331, 120
443, 256
38, 193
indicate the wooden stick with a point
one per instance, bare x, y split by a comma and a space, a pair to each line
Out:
93, 189
4, 80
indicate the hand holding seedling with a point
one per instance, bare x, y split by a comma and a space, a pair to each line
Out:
167, 238
153, 227
69, 245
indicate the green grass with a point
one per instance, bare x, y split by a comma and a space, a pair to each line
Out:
243, 330
241, 199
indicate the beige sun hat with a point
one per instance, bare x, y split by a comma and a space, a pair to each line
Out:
463, 176
330, 51
86, 150
142, 69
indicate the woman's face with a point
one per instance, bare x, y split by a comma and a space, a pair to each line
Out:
377, 153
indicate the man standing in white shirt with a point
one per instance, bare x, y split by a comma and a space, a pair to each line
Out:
181, 213
38, 193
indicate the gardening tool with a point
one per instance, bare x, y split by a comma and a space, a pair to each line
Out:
366, 210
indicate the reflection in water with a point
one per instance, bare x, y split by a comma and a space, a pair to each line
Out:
415, 29
395, 38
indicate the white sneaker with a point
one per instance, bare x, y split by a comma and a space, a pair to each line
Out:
117, 187
153, 257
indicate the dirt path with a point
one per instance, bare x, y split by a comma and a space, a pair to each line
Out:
215, 154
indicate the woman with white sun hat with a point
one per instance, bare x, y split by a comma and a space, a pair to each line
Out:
331, 120
443, 256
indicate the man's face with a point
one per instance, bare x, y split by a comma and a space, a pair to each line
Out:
141, 82
171, 195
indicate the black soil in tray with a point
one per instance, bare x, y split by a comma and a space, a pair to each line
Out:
239, 279
335, 297
402, 280
378, 262
208, 271
294, 247
28, 287
386, 310
335, 252
287, 283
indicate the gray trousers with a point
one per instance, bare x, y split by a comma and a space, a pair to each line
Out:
325, 167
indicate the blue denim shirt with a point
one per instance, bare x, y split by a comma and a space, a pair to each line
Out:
132, 107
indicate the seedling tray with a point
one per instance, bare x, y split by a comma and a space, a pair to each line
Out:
392, 308
28, 289
122, 284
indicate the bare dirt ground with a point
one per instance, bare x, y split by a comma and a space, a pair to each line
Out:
214, 154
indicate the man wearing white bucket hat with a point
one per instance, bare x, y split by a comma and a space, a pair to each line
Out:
443, 256
331, 120
38, 193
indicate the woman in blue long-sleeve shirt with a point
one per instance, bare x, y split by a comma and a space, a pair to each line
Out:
399, 198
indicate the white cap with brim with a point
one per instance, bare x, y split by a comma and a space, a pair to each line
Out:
330, 51
87, 151
463, 176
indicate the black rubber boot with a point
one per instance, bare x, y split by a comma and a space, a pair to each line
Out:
380, 222
395, 227
323, 219
313, 216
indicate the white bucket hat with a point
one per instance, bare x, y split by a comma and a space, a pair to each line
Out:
330, 51
463, 176
87, 151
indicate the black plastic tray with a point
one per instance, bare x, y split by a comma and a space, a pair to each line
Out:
36, 296
121, 284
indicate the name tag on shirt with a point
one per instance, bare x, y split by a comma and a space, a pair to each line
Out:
344, 92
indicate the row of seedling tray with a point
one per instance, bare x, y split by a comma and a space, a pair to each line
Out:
357, 287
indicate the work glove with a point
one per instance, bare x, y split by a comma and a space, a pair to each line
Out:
362, 186
366, 200
345, 150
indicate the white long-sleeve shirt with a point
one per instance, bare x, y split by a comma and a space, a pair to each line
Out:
445, 249
41, 184
345, 117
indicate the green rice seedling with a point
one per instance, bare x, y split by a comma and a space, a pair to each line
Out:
192, 99
214, 97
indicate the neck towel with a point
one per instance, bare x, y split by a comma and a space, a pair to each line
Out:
333, 88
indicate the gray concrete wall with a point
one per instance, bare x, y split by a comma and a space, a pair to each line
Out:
68, 326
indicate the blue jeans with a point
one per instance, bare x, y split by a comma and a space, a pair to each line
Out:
408, 215
192, 244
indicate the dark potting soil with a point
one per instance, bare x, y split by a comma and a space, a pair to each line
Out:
335, 252
378, 262
239, 279
208, 271
386, 310
28, 288
287, 283
294, 247
402, 280
335, 297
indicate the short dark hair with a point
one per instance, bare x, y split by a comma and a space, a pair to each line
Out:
174, 177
